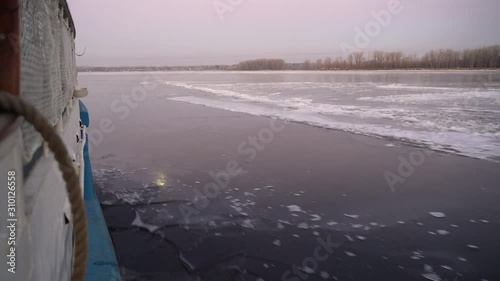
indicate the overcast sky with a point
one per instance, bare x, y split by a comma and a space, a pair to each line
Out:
194, 32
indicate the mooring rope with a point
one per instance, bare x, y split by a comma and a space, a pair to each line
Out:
18, 106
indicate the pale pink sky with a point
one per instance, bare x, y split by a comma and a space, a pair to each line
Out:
191, 32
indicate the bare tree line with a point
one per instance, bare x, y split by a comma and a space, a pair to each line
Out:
480, 58
485, 57
261, 64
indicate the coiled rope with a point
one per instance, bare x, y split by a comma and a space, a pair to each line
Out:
16, 105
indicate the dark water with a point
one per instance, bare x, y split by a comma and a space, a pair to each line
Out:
310, 203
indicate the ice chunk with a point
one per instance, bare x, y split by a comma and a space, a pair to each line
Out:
447, 267
294, 208
442, 232
352, 216
349, 238
437, 214
303, 225
248, 224
308, 270
315, 217
431, 276
324, 275
350, 254
277, 242
428, 268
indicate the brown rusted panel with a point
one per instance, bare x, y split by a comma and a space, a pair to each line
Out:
9, 46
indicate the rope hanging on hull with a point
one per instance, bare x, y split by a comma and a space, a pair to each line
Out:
15, 105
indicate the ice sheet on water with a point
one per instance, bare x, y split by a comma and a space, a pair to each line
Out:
441, 129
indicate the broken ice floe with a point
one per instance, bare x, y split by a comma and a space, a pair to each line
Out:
139, 223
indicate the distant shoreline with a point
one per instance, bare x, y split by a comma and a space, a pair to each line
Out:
153, 69
444, 59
